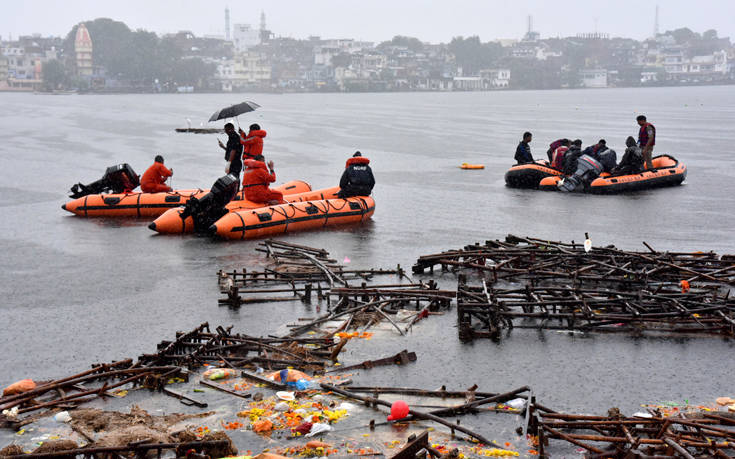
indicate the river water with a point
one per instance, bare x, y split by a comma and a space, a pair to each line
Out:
78, 291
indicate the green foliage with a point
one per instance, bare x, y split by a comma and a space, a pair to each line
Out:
414, 44
534, 74
710, 34
191, 72
54, 75
683, 35
138, 56
473, 55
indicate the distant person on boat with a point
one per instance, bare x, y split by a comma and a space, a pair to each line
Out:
256, 179
632, 161
154, 178
252, 142
602, 154
523, 150
233, 151
557, 158
569, 165
357, 179
596, 149
646, 140
556, 144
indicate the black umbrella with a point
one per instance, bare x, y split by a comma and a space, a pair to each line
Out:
234, 110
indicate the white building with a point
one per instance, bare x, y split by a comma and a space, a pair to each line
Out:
649, 77
678, 66
495, 78
471, 83
244, 37
326, 49
593, 78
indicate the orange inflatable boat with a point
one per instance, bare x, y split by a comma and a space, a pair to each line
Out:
138, 204
172, 223
267, 221
668, 171
529, 175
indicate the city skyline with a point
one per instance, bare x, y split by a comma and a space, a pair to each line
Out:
337, 19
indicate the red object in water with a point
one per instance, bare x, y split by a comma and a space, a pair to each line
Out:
684, 286
303, 428
398, 410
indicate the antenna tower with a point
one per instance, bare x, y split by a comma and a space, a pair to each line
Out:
655, 24
227, 23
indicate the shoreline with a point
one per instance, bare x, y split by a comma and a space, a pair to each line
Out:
422, 91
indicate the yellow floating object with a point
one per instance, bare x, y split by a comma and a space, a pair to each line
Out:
472, 166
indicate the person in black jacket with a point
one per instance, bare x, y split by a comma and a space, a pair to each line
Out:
632, 162
357, 179
571, 157
523, 150
233, 151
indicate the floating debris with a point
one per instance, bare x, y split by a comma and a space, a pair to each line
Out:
688, 433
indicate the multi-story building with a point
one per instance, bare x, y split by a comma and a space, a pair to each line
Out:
24, 70
250, 70
679, 67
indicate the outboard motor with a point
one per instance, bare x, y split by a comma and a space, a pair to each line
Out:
211, 206
588, 169
117, 179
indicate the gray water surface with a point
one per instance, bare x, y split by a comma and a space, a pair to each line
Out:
77, 291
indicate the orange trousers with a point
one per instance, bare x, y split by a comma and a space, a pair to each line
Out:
154, 187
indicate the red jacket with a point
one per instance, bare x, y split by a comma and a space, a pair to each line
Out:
557, 158
256, 180
253, 144
643, 135
155, 175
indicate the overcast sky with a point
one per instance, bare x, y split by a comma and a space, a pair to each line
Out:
377, 20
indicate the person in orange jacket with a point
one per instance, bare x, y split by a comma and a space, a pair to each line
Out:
256, 179
154, 179
252, 142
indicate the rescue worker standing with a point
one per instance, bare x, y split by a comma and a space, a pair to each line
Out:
256, 179
646, 140
523, 151
252, 142
233, 151
154, 178
357, 179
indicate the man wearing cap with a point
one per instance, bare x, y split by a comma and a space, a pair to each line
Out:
357, 179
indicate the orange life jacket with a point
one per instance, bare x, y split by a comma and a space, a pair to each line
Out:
253, 143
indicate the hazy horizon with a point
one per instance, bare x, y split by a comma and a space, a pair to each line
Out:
434, 23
